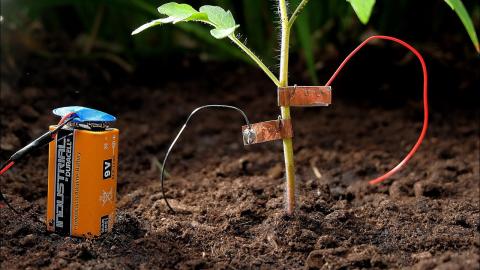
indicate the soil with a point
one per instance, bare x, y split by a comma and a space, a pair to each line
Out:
230, 198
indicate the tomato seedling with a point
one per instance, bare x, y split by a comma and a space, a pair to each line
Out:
224, 26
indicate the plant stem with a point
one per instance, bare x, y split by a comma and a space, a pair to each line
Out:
287, 143
255, 59
296, 12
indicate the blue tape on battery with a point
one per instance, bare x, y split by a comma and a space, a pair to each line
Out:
85, 115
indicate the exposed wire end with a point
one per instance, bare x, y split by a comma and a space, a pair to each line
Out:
63, 121
425, 100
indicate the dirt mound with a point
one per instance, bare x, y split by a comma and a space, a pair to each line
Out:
230, 199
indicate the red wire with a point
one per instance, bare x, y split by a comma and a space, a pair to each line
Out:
63, 119
7, 167
425, 100
5, 202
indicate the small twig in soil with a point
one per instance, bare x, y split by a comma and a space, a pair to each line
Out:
315, 169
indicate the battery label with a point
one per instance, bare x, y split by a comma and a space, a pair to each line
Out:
104, 224
82, 182
63, 180
107, 169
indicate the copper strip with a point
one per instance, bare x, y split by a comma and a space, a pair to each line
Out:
268, 131
304, 96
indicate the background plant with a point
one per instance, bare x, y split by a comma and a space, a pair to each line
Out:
100, 28
223, 26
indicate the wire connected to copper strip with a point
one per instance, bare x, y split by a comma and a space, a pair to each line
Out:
280, 123
412, 151
162, 171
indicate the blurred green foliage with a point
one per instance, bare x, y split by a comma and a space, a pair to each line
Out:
103, 27
459, 8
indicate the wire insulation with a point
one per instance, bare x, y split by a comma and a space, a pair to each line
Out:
6, 167
425, 100
63, 121
42, 140
162, 171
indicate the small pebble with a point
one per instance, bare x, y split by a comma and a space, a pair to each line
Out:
275, 172
28, 240
421, 256
326, 241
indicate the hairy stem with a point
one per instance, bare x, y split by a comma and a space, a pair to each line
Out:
287, 143
296, 12
255, 59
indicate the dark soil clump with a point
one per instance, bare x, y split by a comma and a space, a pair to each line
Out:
230, 199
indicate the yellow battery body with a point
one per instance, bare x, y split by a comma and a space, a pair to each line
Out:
82, 182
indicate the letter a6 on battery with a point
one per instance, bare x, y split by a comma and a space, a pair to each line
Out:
82, 177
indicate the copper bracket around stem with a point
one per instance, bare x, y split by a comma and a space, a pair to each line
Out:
267, 131
304, 96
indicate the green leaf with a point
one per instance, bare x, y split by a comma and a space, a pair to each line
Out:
222, 21
363, 9
173, 9
176, 13
462, 13
218, 16
220, 33
181, 12
150, 24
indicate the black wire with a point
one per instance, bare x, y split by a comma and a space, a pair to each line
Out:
4, 164
2, 197
54, 131
180, 133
